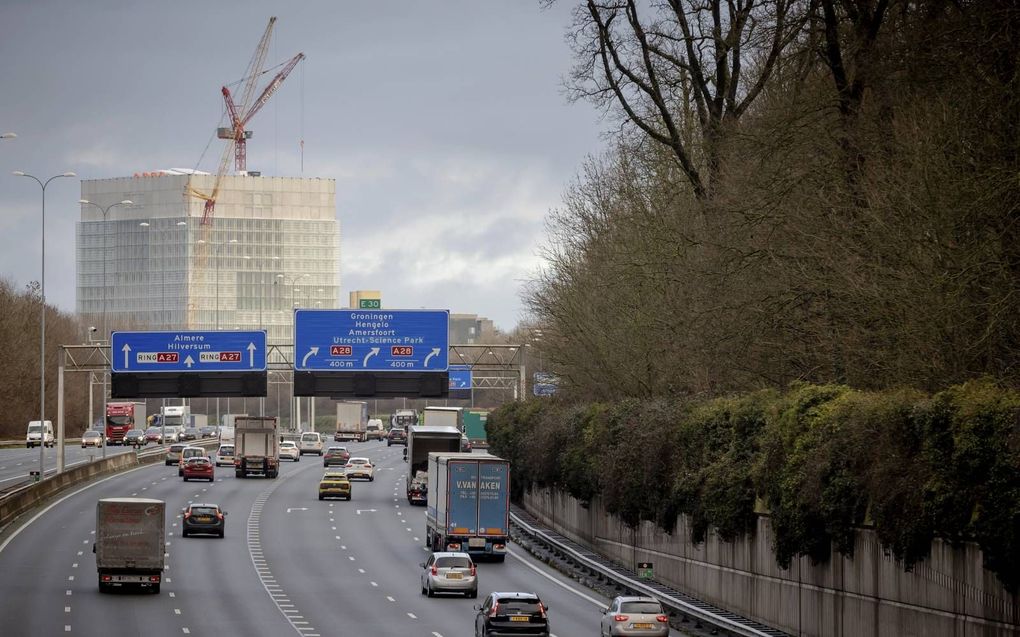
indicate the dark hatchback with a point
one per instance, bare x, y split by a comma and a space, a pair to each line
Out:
397, 436
510, 614
135, 437
190, 433
336, 456
203, 518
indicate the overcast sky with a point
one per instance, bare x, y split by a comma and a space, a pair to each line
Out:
443, 123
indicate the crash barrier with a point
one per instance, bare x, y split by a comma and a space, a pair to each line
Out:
22, 498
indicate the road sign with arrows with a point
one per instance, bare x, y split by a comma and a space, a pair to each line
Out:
371, 340
188, 351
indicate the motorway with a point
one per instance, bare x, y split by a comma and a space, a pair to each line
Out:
15, 463
289, 565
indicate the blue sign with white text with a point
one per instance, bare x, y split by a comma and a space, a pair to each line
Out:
188, 351
460, 377
371, 340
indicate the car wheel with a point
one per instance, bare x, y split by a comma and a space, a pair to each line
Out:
185, 478
184, 534
371, 479
83, 446
429, 591
473, 594
221, 534
320, 496
298, 459
167, 463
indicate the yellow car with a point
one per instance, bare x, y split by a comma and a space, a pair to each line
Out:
335, 485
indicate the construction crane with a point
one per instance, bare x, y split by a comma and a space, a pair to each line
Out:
240, 113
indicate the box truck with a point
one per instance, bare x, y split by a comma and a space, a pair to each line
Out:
256, 447
468, 504
130, 542
474, 427
351, 420
444, 417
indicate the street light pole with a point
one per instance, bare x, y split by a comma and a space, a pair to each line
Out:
42, 328
295, 401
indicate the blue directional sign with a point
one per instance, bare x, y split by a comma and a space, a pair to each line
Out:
188, 351
371, 340
460, 377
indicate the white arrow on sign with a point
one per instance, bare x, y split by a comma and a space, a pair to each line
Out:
251, 354
311, 352
365, 510
289, 509
127, 350
372, 352
189, 361
435, 352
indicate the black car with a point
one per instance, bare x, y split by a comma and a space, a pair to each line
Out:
189, 433
397, 436
203, 518
208, 432
135, 437
511, 614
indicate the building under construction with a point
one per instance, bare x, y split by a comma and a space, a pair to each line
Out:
146, 261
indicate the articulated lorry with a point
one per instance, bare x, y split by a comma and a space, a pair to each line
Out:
256, 447
404, 418
130, 542
421, 441
122, 418
444, 417
351, 421
468, 504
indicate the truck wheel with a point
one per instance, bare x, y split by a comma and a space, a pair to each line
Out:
185, 478
320, 496
239, 474
155, 589
298, 459
499, 558
104, 587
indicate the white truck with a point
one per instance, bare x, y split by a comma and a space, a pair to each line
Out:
130, 542
444, 417
351, 421
256, 447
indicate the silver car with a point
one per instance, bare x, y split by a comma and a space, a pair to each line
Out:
628, 616
449, 572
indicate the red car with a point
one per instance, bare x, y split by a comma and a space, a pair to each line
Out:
198, 468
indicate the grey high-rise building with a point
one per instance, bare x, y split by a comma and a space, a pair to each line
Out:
270, 245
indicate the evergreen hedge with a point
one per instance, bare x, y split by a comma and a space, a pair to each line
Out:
824, 458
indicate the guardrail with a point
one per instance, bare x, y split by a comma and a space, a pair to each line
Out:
22, 498
701, 611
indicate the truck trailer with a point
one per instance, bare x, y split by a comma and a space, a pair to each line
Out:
474, 427
421, 441
130, 544
351, 421
444, 417
256, 447
468, 504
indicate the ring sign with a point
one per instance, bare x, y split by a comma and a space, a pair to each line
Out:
188, 351
371, 340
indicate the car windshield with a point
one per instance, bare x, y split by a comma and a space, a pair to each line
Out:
176, 448
194, 461
287, 445
226, 451
453, 562
360, 461
152, 430
642, 608
91, 434
513, 605
203, 511
310, 438
34, 428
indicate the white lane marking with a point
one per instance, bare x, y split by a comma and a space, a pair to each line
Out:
412, 616
71, 578
172, 594
68, 593
374, 584
67, 629
343, 546
390, 598
75, 565
67, 609
350, 557
435, 634
177, 611
81, 552
361, 570
184, 629
552, 579
417, 539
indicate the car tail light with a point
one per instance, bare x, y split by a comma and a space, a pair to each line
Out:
219, 515
453, 546
620, 618
541, 609
107, 578
474, 570
662, 619
368, 466
435, 571
495, 609
348, 465
154, 578
187, 514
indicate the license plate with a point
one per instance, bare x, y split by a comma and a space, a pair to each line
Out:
454, 576
519, 618
203, 519
644, 626
478, 542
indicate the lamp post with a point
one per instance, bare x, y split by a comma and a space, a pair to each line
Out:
42, 328
295, 402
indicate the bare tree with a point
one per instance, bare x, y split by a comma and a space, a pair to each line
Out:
685, 73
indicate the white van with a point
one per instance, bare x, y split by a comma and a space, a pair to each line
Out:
311, 442
226, 435
40, 431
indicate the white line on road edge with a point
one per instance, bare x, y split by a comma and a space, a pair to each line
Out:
573, 590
